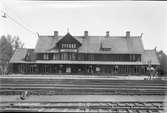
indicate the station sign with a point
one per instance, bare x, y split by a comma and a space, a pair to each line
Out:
68, 50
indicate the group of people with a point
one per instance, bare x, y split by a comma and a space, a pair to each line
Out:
152, 72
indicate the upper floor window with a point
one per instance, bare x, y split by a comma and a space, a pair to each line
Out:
135, 57
106, 49
68, 46
64, 56
91, 57
45, 56
56, 57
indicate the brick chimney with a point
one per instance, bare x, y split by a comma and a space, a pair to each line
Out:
107, 34
56, 33
127, 34
85, 33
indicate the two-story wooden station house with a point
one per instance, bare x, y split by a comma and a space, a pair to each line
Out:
84, 54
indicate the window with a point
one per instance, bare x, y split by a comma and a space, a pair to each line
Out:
32, 68
116, 68
138, 58
21, 68
73, 56
56, 57
70, 46
40, 56
45, 56
91, 57
80, 56
106, 49
136, 69
64, 56
68, 70
74, 45
62, 46
97, 69
132, 57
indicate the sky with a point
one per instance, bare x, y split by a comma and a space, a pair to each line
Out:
28, 17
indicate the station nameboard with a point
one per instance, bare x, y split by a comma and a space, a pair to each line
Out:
68, 50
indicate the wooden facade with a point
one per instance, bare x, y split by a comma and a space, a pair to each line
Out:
65, 57
78, 69
88, 57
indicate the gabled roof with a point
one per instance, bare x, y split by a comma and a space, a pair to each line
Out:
92, 44
19, 55
120, 44
69, 37
45, 43
150, 55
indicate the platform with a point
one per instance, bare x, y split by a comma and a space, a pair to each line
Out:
82, 98
130, 77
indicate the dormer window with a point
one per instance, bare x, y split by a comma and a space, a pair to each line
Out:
74, 45
106, 49
68, 42
27, 57
68, 46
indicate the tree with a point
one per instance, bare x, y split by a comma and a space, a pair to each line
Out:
8, 45
163, 63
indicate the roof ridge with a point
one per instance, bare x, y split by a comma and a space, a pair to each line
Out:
89, 36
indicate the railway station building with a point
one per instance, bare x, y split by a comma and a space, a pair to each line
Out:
85, 54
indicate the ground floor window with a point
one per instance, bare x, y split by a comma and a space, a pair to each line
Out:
98, 69
21, 68
116, 67
78, 69
68, 69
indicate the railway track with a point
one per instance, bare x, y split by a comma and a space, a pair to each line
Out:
15, 86
11, 86
85, 107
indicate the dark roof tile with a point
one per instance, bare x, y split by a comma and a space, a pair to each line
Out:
19, 55
91, 44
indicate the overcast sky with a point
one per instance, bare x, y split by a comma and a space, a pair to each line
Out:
97, 17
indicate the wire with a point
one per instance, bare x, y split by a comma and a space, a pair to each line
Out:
18, 23
24, 26
8, 9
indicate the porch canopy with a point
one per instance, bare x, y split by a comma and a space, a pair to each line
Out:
82, 62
